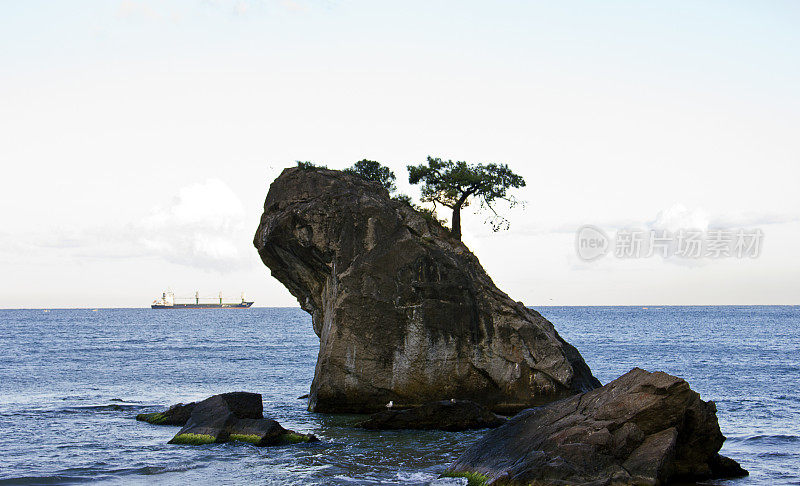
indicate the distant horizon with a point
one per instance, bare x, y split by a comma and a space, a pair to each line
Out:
533, 306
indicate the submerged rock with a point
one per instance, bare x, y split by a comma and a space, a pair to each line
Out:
450, 415
642, 428
404, 312
266, 432
234, 416
177, 414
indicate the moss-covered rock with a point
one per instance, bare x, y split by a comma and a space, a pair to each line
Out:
642, 428
473, 478
175, 415
234, 416
251, 438
291, 437
193, 439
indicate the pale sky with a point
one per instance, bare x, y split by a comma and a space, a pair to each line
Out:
138, 139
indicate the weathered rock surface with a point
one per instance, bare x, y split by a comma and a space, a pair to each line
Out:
642, 428
177, 414
234, 416
450, 415
404, 312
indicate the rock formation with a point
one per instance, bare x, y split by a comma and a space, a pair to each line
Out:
404, 312
642, 428
232, 416
177, 414
449, 415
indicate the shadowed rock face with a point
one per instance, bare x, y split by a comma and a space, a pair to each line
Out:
175, 415
450, 415
404, 313
642, 428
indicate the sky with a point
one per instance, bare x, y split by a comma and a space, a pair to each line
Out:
138, 138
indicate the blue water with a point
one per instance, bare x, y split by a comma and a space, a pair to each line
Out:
71, 382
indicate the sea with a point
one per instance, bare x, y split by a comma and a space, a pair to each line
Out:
72, 381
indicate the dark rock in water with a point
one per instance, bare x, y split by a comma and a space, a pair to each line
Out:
303, 397
450, 415
266, 432
234, 416
175, 415
642, 428
404, 312
211, 418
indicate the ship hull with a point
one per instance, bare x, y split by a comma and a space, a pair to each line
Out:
242, 305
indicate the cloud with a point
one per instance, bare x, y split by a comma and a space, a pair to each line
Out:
675, 217
131, 9
203, 226
752, 219
678, 217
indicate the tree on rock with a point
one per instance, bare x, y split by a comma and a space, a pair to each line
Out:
454, 184
374, 171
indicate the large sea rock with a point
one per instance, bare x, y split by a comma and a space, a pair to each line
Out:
641, 429
404, 312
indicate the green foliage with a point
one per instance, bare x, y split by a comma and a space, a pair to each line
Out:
429, 214
403, 198
473, 478
309, 165
451, 183
193, 439
454, 183
374, 171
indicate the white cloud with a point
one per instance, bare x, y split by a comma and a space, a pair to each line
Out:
678, 217
751, 219
202, 227
130, 9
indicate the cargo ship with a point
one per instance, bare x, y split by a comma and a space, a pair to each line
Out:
169, 301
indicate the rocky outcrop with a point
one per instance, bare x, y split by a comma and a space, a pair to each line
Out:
234, 416
404, 312
642, 428
177, 414
449, 415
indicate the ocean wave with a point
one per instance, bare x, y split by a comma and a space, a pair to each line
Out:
153, 470
114, 407
35, 480
766, 439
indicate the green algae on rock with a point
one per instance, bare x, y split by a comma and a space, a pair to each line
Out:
193, 439
473, 478
177, 414
251, 438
